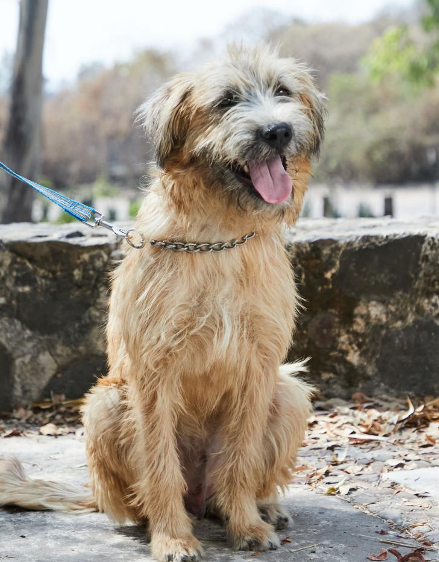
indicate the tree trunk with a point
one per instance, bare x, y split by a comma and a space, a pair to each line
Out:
23, 135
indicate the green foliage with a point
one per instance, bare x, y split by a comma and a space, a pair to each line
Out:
47, 182
395, 53
103, 188
379, 133
430, 21
329, 208
402, 53
364, 211
134, 208
64, 218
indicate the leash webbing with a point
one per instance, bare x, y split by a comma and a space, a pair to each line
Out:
93, 218
87, 215
74, 208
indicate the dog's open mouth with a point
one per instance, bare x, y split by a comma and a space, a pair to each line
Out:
268, 177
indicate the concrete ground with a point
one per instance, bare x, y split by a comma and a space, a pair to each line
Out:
366, 483
325, 529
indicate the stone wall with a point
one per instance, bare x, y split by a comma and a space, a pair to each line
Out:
370, 320
53, 295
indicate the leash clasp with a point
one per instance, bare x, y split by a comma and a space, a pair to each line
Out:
132, 236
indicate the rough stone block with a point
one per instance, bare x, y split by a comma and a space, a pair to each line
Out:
53, 300
371, 304
370, 320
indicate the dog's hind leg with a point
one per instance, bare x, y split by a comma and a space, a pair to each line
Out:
286, 429
109, 440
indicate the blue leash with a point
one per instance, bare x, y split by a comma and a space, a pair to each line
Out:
87, 215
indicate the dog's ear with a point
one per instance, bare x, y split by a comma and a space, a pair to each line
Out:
314, 102
165, 116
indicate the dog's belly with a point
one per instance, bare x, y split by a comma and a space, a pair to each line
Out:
199, 461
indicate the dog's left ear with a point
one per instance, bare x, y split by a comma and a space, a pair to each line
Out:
315, 106
165, 116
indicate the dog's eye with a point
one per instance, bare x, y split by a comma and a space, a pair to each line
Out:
282, 92
229, 100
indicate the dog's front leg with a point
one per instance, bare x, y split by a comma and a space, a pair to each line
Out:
237, 480
160, 487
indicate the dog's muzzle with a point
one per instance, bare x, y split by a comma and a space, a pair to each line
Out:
277, 135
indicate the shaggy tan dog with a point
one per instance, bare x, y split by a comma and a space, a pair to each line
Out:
195, 414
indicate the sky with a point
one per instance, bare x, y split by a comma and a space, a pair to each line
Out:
84, 31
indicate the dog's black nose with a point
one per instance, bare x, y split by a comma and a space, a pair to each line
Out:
277, 135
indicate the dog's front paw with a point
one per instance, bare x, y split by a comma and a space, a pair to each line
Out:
254, 537
273, 513
167, 549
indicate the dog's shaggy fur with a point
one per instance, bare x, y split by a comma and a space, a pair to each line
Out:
195, 414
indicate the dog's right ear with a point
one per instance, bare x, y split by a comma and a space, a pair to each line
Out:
165, 116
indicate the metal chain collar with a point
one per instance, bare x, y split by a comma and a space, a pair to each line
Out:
94, 219
204, 248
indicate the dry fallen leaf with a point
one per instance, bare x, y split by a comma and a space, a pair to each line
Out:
415, 556
358, 438
340, 456
12, 433
409, 413
347, 488
49, 429
285, 540
360, 398
302, 468
45, 405
382, 556
395, 463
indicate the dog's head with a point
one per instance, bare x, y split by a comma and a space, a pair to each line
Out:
248, 124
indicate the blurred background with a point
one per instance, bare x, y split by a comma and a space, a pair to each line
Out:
73, 72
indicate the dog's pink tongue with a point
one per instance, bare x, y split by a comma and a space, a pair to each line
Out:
271, 180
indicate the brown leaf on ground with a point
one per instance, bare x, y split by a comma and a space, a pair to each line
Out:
382, 556
415, 556
409, 413
424, 415
360, 398
12, 433
45, 405
302, 468
285, 540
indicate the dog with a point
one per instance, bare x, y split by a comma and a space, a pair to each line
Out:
196, 415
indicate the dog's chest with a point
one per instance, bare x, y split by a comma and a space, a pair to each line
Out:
205, 311
249, 305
